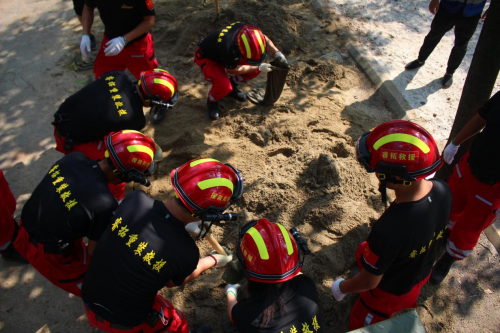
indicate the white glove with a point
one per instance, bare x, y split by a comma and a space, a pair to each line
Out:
85, 46
266, 68
280, 56
232, 288
449, 152
114, 46
220, 259
339, 295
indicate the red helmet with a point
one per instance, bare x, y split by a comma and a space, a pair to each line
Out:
158, 85
132, 154
206, 185
399, 148
268, 252
252, 44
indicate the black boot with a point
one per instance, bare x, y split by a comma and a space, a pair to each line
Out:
11, 254
213, 110
441, 268
236, 93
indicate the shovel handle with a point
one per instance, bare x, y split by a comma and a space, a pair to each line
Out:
215, 244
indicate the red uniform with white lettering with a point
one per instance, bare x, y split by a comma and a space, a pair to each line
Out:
7, 209
402, 247
71, 202
475, 185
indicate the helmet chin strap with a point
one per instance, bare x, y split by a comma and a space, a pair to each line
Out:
382, 188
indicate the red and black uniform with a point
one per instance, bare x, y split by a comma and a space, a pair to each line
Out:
71, 202
302, 313
218, 51
107, 105
402, 246
7, 209
119, 18
475, 185
142, 249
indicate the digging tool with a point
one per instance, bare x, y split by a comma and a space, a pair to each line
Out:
216, 11
194, 229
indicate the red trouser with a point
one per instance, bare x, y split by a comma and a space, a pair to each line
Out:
7, 209
95, 151
474, 208
136, 57
216, 74
173, 320
66, 273
382, 305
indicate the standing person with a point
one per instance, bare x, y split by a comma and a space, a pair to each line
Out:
461, 14
281, 297
239, 50
127, 43
78, 8
474, 184
111, 103
8, 229
73, 201
397, 258
147, 247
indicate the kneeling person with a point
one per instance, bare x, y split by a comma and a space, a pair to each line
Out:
73, 201
147, 247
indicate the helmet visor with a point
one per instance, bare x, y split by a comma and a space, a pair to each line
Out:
362, 154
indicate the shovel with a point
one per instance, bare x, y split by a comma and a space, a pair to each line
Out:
194, 229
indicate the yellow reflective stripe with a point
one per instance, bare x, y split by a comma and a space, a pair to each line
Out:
167, 84
288, 241
201, 160
402, 138
106, 153
131, 131
214, 182
141, 149
161, 70
261, 246
247, 46
260, 40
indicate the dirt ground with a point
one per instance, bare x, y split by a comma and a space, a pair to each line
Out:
297, 158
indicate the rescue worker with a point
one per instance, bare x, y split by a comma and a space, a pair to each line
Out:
282, 299
73, 201
146, 247
396, 260
237, 50
8, 228
474, 184
126, 43
78, 8
112, 103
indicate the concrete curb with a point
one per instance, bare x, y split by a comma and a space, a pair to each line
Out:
396, 102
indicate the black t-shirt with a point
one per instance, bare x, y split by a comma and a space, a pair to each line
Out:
403, 243
303, 313
221, 45
108, 104
142, 249
484, 158
72, 201
121, 16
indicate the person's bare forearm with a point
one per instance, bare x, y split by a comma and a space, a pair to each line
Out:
361, 282
243, 69
231, 302
87, 19
474, 125
147, 23
203, 264
270, 47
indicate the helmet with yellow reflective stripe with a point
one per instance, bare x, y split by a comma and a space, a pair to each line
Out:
205, 185
399, 148
268, 253
252, 44
132, 154
158, 85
